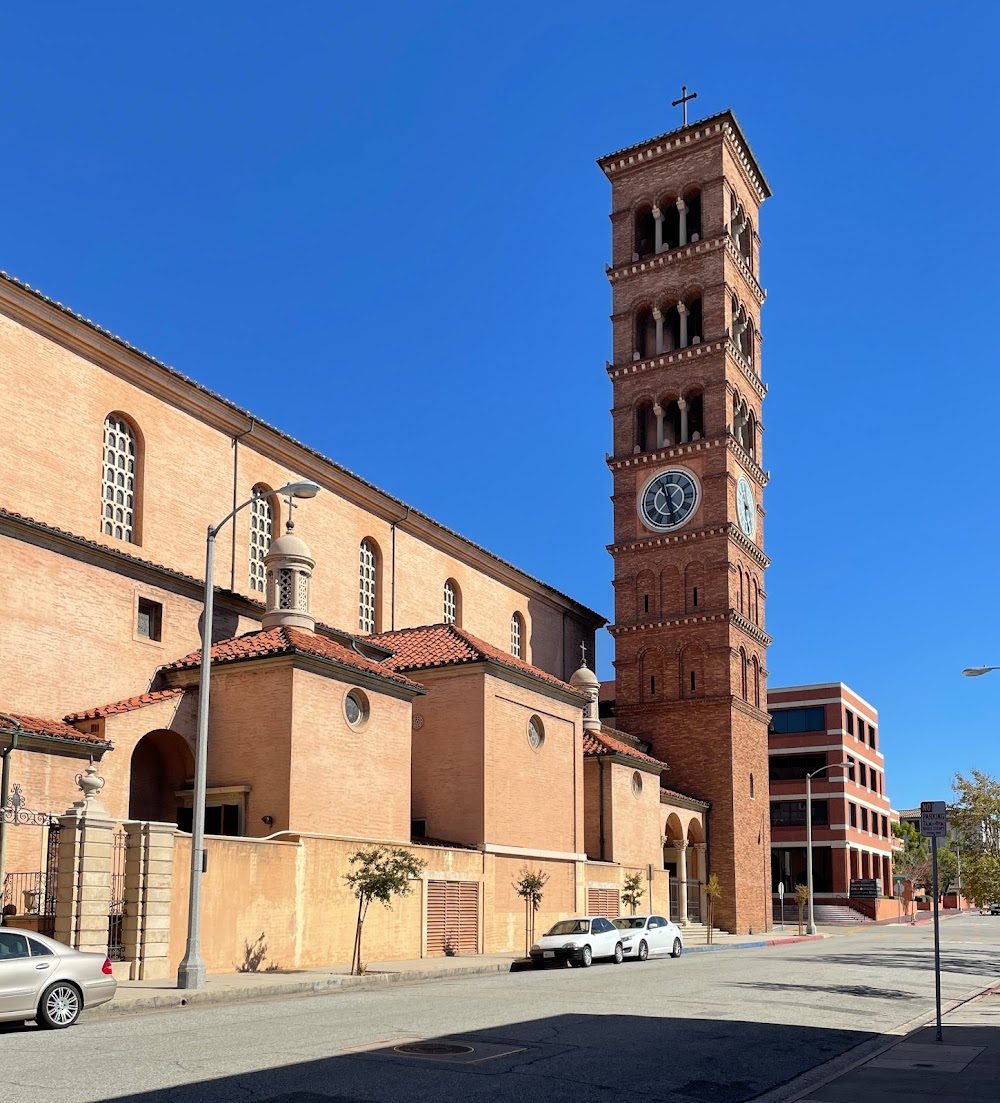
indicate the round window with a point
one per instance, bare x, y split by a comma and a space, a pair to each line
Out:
536, 733
636, 783
356, 708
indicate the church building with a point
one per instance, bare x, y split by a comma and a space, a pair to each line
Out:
375, 676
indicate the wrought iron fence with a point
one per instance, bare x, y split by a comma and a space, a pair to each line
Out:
116, 903
33, 893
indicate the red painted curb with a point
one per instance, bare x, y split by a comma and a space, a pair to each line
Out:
796, 938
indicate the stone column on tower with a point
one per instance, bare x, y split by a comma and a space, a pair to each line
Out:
658, 218
658, 318
658, 410
683, 311
682, 211
683, 407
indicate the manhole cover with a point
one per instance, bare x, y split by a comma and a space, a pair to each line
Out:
433, 1047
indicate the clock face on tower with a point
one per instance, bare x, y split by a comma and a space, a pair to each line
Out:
746, 506
668, 500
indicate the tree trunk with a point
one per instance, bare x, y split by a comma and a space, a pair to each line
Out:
356, 953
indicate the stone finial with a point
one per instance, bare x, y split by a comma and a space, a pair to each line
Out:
88, 782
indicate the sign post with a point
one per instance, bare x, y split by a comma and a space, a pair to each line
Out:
781, 900
934, 826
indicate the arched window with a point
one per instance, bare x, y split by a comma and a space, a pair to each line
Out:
517, 636
751, 786
120, 486
452, 603
645, 233
261, 530
744, 690
368, 587
756, 680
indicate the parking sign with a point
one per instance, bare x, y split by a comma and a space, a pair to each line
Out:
934, 819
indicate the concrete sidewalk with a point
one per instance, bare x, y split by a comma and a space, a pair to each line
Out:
963, 1068
226, 988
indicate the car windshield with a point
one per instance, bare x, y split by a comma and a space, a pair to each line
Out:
570, 926
631, 921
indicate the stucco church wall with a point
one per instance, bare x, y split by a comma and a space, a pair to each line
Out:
448, 771
635, 837
69, 638
505, 920
534, 797
250, 737
344, 780
186, 478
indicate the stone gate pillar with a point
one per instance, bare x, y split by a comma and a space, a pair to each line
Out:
84, 872
149, 871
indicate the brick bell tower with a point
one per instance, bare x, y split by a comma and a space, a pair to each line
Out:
690, 645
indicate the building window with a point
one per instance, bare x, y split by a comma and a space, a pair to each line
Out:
792, 813
356, 708
367, 587
452, 602
636, 782
861, 729
418, 829
119, 482
853, 811
791, 721
149, 622
794, 767
536, 733
517, 636
862, 775
850, 721
261, 527
871, 737
885, 827
850, 768
751, 787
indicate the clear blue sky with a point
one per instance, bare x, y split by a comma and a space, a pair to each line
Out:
400, 202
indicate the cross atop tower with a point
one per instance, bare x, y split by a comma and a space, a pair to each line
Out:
683, 101
290, 524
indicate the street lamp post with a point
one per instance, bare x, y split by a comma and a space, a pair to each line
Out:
191, 972
811, 928
978, 671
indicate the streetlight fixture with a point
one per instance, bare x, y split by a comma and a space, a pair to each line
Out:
811, 928
191, 972
978, 671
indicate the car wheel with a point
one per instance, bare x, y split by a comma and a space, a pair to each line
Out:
619, 953
587, 957
59, 1007
643, 951
676, 948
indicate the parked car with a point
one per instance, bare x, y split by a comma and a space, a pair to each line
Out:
44, 980
994, 908
579, 941
643, 935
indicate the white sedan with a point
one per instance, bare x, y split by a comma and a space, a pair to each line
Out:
579, 941
643, 935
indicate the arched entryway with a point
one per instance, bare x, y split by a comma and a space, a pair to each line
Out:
162, 765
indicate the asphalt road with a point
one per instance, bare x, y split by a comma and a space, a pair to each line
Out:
708, 1028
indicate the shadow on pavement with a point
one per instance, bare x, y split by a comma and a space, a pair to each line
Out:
862, 990
975, 963
561, 1059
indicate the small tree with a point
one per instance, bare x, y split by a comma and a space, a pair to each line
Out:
380, 873
801, 898
632, 891
713, 891
529, 886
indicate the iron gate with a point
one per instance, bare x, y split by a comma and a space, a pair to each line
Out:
34, 893
116, 903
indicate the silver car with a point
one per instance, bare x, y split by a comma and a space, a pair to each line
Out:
44, 980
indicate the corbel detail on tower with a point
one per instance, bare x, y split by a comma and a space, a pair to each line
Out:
659, 260
751, 710
749, 278
737, 536
750, 465
749, 628
673, 452
617, 630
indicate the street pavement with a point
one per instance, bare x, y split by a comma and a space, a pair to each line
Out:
707, 1028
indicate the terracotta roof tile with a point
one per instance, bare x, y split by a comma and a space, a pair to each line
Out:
128, 705
288, 641
436, 645
683, 796
37, 725
601, 742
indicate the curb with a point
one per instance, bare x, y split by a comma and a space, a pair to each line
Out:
756, 945
174, 1000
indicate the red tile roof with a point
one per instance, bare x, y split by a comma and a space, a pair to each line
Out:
291, 641
436, 645
602, 742
37, 725
683, 796
128, 705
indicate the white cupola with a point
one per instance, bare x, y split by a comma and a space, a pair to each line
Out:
586, 681
289, 567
